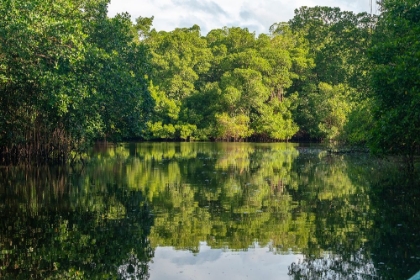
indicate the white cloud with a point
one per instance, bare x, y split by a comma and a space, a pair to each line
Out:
210, 14
255, 263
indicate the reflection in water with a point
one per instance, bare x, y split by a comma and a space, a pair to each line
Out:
63, 225
395, 242
211, 263
342, 216
334, 266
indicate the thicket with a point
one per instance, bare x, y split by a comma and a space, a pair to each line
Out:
307, 79
70, 75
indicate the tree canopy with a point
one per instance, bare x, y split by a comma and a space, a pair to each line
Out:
396, 79
69, 75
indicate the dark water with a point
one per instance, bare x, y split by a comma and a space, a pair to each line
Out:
211, 211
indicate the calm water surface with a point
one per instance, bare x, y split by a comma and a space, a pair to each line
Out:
211, 211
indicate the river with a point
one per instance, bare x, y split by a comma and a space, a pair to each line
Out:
211, 211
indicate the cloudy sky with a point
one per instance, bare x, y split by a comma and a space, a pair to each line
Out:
256, 15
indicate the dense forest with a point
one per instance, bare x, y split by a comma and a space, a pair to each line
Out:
70, 75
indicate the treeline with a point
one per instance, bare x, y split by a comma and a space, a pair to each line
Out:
304, 79
70, 75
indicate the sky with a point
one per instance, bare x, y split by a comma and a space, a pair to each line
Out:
256, 15
254, 263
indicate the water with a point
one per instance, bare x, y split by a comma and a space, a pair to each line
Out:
211, 211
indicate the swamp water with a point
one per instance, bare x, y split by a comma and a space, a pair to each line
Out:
210, 211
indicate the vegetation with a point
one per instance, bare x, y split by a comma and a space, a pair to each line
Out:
395, 79
70, 75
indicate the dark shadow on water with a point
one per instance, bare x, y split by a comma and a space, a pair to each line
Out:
395, 243
390, 227
52, 227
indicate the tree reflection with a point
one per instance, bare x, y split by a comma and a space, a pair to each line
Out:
229, 195
395, 240
344, 214
381, 240
232, 195
334, 266
61, 225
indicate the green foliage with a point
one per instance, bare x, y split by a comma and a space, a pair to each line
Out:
227, 78
185, 131
178, 58
338, 42
143, 26
360, 122
68, 75
232, 127
395, 79
276, 120
159, 130
331, 107
120, 66
71, 75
